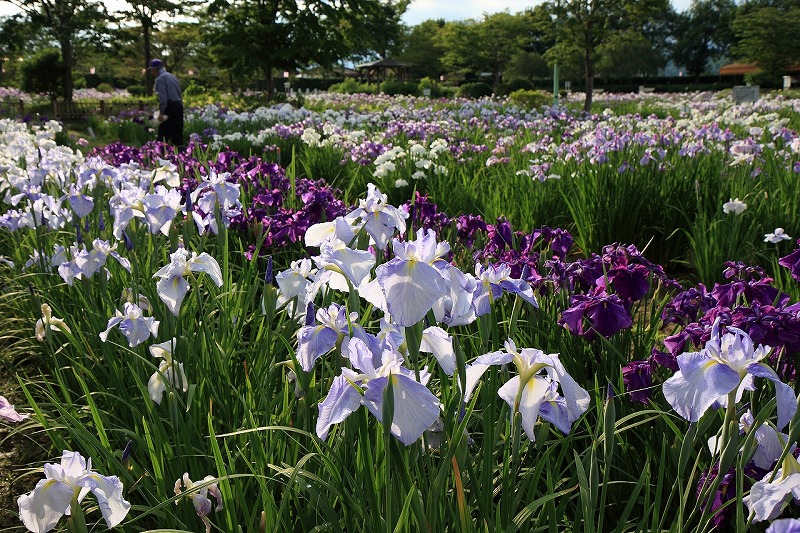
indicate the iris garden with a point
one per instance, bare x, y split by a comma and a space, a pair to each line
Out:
401, 314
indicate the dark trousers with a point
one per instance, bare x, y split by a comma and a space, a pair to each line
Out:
171, 130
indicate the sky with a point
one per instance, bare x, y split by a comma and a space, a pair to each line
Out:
421, 10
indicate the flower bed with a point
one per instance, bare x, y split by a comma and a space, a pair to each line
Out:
223, 315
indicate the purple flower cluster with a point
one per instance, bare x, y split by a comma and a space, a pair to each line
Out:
792, 262
726, 491
367, 152
496, 243
604, 287
263, 184
747, 301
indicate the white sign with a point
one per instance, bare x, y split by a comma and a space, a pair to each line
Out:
745, 93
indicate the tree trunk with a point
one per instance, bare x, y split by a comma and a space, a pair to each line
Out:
148, 79
270, 83
67, 60
589, 74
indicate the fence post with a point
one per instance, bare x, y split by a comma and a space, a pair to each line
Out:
103, 108
21, 105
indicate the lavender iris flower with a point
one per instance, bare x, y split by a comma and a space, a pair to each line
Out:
411, 281
531, 393
415, 407
172, 285
729, 362
8, 413
493, 280
136, 327
313, 341
380, 220
42, 508
767, 498
786, 525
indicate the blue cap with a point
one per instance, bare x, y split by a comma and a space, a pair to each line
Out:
156, 63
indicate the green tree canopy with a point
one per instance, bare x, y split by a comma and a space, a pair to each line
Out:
703, 33
262, 35
586, 26
423, 49
628, 54
768, 36
65, 21
486, 46
15, 32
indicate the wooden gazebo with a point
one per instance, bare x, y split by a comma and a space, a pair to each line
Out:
383, 69
737, 69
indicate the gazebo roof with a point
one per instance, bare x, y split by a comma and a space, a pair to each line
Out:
735, 69
385, 63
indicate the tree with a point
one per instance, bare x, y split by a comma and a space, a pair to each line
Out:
65, 20
146, 13
484, 46
379, 32
584, 26
767, 36
703, 33
262, 35
525, 65
14, 36
42, 73
628, 54
179, 42
423, 50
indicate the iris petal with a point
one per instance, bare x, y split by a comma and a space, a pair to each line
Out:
415, 407
411, 288
42, 509
342, 399
699, 383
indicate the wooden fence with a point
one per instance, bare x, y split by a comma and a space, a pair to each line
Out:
102, 108
77, 110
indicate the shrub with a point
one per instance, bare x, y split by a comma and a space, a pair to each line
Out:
431, 84
105, 88
475, 90
395, 87
41, 73
136, 90
448, 91
530, 99
516, 84
352, 86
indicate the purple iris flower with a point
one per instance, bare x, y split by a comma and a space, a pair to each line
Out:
596, 312
727, 490
792, 262
638, 379
315, 340
412, 281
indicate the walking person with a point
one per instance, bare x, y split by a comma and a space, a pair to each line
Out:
170, 104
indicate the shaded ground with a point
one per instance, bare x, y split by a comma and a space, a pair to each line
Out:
21, 449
